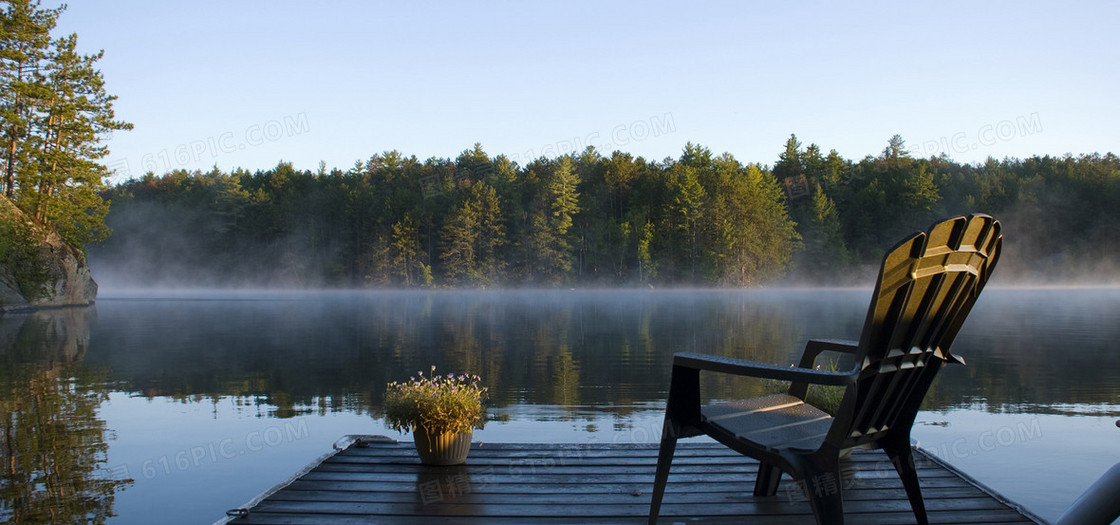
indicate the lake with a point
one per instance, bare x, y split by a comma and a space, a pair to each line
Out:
195, 402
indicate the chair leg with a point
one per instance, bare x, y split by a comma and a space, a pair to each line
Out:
664, 460
820, 478
768, 478
902, 456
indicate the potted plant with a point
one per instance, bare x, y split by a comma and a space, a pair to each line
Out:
440, 411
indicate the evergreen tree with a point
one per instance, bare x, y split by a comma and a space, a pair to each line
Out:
789, 163
549, 242
56, 112
77, 115
458, 237
406, 256
24, 46
826, 255
686, 222
472, 238
491, 235
756, 237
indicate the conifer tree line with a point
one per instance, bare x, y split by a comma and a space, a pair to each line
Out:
54, 114
588, 219
584, 218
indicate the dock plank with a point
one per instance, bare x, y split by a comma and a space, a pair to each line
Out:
383, 482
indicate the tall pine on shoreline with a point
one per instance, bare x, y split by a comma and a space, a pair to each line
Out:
54, 113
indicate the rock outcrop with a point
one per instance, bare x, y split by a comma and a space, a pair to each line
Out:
68, 280
11, 300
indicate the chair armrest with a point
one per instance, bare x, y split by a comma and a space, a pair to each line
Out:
740, 367
814, 348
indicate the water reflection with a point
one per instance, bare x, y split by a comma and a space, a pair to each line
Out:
537, 348
591, 363
51, 439
336, 351
1038, 351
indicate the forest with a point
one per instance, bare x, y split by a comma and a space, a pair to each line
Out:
589, 219
585, 218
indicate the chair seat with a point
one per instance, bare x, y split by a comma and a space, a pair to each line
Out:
773, 422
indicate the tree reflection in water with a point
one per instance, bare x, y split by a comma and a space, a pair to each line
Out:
583, 358
53, 444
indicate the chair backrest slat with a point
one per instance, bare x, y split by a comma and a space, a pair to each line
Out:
927, 285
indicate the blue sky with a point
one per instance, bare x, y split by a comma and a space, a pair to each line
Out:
249, 84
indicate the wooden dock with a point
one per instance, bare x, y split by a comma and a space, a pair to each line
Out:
380, 480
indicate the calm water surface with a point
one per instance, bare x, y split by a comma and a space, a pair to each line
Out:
193, 403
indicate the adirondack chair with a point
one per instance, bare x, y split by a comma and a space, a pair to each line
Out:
927, 285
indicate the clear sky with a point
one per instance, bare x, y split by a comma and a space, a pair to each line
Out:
252, 83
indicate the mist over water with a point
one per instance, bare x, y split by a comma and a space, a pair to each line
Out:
171, 247
176, 259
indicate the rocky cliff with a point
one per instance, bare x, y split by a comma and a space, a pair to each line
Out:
60, 271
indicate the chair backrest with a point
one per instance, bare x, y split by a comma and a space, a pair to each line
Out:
927, 285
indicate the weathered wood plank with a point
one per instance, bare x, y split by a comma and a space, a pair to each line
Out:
954, 518
602, 483
576, 488
544, 476
635, 506
479, 498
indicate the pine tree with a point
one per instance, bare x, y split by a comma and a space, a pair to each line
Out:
686, 220
491, 235
472, 237
826, 255
55, 114
551, 218
790, 162
459, 236
752, 238
406, 255
24, 46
